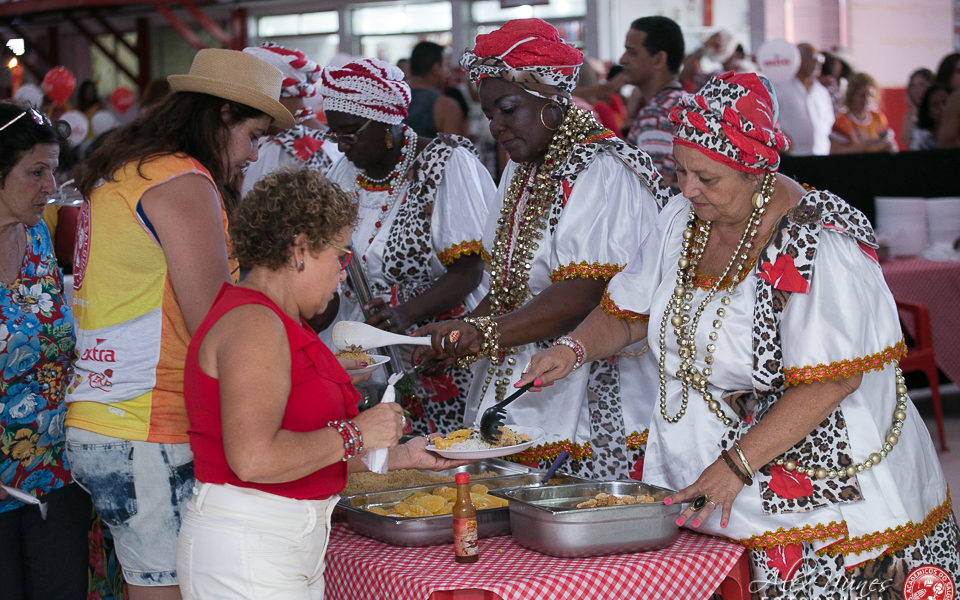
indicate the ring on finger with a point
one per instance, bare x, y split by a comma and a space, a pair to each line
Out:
709, 501
699, 502
403, 420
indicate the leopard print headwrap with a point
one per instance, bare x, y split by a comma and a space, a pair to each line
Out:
732, 119
528, 53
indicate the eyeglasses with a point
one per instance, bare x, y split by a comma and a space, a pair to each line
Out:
66, 195
38, 118
343, 260
346, 138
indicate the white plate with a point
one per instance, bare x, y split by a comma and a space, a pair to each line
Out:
378, 359
536, 434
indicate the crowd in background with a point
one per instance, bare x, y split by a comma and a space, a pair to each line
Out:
416, 204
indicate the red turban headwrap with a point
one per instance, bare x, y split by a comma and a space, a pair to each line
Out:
732, 120
528, 53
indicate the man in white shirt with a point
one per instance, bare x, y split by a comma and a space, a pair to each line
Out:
806, 110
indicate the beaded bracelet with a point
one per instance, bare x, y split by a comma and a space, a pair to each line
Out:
575, 345
489, 341
747, 480
743, 459
352, 439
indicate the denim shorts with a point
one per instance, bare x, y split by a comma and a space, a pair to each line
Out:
140, 490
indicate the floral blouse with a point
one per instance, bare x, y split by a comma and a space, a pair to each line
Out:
36, 348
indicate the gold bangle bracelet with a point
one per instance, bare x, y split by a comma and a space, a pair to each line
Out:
743, 459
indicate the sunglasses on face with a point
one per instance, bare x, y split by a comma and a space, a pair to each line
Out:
38, 118
346, 138
343, 260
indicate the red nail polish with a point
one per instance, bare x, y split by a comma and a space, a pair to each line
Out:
695, 523
517, 384
723, 524
537, 383
666, 500
679, 521
362, 364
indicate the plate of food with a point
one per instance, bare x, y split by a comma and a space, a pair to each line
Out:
373, 360
467, 444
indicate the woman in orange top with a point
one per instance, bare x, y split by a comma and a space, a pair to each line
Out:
860, 126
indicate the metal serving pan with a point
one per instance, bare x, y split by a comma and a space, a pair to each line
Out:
429, 531
544, 518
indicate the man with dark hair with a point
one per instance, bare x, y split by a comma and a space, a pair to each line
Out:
430, 110
653, 53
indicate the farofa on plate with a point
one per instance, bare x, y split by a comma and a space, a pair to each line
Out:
507, 437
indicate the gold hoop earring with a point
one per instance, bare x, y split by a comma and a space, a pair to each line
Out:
542, 120
388, 138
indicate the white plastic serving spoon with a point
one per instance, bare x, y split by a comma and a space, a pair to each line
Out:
355, 333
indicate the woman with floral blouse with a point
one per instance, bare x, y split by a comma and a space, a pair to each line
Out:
43, 552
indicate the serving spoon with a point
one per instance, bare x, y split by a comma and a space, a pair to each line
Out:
354, 333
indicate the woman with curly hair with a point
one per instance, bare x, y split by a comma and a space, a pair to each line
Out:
273, 442
151, 255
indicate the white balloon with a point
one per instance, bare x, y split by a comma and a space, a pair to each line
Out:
103, 121
29, 93
79, 126
778, 59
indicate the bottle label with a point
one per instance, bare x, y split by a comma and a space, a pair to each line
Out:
465, 537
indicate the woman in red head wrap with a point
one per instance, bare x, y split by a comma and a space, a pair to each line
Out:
574, 203
782, 418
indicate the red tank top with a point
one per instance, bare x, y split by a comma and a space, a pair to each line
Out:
321, 391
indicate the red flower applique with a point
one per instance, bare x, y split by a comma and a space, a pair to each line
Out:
440, 388
637, 472
306, 147
789, 484
784, 275
567, 189
785, 559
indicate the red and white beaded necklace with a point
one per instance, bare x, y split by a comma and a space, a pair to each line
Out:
392, 181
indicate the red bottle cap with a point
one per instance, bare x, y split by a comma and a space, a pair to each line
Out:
462, 478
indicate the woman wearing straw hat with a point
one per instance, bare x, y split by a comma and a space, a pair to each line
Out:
151, 255
423, 203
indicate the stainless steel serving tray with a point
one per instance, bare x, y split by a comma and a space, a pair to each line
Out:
429, 531
544, 518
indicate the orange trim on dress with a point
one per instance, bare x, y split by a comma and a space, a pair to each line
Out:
584, 271
550, 451
894, 539
448, 255
845, 368
608, 306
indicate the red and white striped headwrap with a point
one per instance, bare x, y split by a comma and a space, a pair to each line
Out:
528, 53
367, 87
733, 120
299, 72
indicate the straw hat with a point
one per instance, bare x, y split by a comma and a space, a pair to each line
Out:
234, 75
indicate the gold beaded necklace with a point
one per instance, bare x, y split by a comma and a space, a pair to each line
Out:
679, 312
695, 238
521, 226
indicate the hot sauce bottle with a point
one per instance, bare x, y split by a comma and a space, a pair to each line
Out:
465, 523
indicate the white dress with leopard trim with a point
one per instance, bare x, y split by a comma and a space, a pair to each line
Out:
847, 314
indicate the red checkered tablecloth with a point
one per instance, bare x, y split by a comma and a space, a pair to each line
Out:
937, 286
357, 567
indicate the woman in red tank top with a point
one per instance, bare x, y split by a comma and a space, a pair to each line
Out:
274, 425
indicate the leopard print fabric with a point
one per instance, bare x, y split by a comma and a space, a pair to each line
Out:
409, 245
797, 234
311, 154
440, 399
799, 572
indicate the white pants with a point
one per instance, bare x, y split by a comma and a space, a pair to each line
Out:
240, 543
